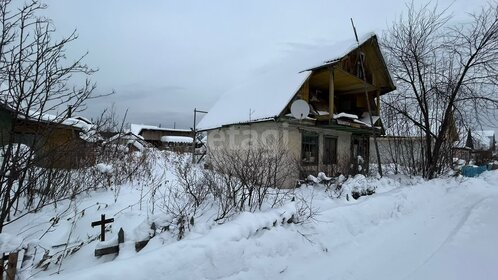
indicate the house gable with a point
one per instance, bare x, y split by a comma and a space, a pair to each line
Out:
269, 95
336, 89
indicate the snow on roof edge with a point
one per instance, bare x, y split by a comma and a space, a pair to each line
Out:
176, 139
137, 128
239, 123
364, 38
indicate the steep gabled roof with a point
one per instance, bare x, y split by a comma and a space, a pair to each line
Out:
266, 95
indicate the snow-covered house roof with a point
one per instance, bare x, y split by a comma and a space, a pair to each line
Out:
85, 127
129, 138
176, 139
75, 122
78, 123
83, 119
340, 50
267, 94
137, 128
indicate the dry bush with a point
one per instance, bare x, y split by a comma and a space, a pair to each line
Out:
185, 198
248, 179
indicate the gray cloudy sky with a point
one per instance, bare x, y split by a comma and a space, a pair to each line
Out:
163, 58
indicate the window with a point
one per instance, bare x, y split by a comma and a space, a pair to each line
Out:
360, 152
309, 149
330, 150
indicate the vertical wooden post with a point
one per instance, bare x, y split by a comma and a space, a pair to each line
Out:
121, 236
28, 256
102, 227
1, 267
306, 91
331, 93
378, 102
153, 229
11, 266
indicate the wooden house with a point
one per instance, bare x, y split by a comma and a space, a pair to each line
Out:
478, 146
180, 144
56, 142
334, 136
158, 136
131, 141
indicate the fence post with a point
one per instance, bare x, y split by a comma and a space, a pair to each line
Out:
11, 266
1, 267
120, 236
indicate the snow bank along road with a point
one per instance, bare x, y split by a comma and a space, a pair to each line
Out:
440, 229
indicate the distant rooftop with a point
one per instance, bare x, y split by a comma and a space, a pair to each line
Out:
137, 128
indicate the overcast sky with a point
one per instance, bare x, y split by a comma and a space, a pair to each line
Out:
163, 58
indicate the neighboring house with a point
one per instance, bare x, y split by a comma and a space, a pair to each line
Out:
57, 142
401, 150
131, 141
335, 135
155, 134
177, 143
484, 140
477, 146
404, 144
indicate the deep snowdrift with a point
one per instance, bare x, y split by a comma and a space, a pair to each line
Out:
439, 229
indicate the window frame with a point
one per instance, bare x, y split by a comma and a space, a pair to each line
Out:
310, 143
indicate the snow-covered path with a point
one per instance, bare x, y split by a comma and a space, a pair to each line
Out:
441, 229
453, 237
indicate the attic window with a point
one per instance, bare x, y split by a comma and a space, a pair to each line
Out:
309, 148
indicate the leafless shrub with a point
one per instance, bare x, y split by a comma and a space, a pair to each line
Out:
305, 210
120, 159
190, 180
225, 189
185, 198
244, 180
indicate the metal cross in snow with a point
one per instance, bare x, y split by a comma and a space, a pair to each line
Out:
102, 224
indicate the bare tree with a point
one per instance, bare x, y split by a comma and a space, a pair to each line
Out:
446, 73
35, 78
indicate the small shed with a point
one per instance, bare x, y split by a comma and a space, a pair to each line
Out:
153, 134
130, 140
177, 143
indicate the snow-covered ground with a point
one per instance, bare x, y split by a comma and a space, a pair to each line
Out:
409, 229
